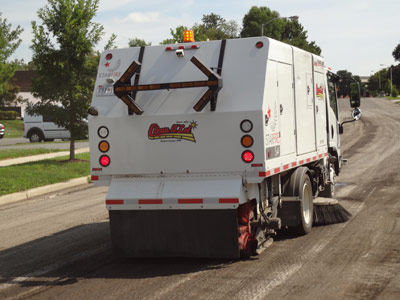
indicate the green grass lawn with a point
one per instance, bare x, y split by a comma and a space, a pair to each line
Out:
26, 176
13, 128
14, 153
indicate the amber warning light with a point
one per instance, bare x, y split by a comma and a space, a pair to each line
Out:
188, 36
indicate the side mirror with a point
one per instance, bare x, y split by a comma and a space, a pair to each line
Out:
355, 101
356, 114
355, 98
341, 129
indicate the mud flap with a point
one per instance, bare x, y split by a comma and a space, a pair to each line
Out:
289, 212
175, 233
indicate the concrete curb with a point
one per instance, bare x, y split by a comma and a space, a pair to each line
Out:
51, 188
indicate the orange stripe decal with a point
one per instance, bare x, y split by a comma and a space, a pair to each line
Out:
114, 202
264, 174
228, 200
190, 201
150, 201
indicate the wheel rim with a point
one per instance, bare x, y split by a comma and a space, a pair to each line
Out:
307, 202
35, 137
333, 182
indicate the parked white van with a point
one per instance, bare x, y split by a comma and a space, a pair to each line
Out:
39, 128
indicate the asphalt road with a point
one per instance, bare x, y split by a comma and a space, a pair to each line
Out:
23, 143
58, 247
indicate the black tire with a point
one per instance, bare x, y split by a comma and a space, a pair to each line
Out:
35, 136
299, 185
1, 136
306, 207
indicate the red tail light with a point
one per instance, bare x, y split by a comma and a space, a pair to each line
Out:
248, 156
104, 160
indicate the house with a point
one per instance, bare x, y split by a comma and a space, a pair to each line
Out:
23, 79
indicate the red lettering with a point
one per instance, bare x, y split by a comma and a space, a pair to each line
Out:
187, 129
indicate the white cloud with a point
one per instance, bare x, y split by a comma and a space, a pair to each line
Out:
142, 17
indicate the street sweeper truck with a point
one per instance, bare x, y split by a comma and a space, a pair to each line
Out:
210, 148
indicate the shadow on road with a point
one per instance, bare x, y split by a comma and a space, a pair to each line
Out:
85, 252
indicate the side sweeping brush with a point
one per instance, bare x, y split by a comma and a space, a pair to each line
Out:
328, 211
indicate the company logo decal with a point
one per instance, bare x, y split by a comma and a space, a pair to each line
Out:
320, 92
176, 132
319, 63
271, 118
111, 68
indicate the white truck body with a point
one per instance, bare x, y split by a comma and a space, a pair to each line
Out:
174, 158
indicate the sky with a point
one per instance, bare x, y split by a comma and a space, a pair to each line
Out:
354, 35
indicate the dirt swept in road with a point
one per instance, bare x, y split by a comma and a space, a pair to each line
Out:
58, 247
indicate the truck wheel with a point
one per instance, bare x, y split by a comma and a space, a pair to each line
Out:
299, 216
330, 188
35, 137
306, 207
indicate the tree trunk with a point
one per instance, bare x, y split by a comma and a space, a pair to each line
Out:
72, 148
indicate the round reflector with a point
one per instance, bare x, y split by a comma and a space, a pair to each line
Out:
108, 56
247, 156
247, 141
259, 45
104, 146
246, 126
104, 160
102, 132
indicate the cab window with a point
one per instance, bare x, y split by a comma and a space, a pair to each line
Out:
332, 93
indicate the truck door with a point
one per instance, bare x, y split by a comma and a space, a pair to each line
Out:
304, 97
320, 109
286, 108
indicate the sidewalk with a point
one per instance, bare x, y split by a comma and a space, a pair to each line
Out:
43, 189
21, 160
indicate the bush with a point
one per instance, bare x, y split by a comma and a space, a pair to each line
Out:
395, 92
8, 115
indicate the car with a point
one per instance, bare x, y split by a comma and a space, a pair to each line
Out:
39, 128
1, 131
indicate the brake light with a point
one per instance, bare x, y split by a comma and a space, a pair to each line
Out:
104, 160
247, 156
259, 45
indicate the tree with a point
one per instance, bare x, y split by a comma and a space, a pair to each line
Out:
262, 20
376, 82
136, 42
396, 53
9, 42
66, 62
214, 27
